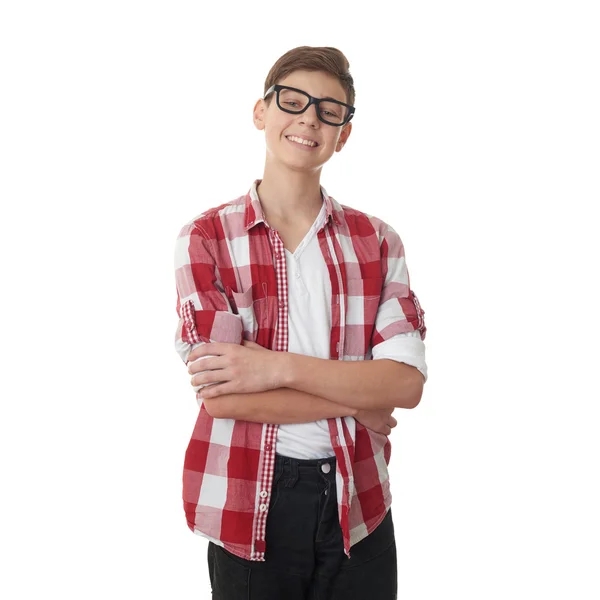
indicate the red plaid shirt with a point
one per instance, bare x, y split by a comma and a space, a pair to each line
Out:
228, 259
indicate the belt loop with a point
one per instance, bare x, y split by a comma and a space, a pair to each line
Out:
278, 470
291, 482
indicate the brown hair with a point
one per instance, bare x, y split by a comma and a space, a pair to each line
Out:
312, 58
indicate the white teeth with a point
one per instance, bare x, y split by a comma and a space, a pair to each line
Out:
301, 141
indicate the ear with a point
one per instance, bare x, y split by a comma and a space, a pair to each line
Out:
346, 129
258, 114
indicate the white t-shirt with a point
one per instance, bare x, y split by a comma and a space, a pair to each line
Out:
309, 326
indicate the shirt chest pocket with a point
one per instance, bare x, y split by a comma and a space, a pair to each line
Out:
364, 295
253, 308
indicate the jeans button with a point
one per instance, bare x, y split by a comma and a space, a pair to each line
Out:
325, 467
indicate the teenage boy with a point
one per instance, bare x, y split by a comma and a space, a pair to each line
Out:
301, 333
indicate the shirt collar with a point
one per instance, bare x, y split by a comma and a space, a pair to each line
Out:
253, 213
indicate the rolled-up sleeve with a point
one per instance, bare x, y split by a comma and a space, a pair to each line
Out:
408, 348
399, 328
204, 312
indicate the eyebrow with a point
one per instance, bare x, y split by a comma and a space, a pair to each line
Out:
326, 98
318, 98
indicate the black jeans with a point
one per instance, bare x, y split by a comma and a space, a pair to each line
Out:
304, 558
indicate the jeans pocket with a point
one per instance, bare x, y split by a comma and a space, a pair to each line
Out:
379, 541
229, 575
275, 485
274, 497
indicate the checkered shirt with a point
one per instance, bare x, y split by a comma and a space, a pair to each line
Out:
230, 272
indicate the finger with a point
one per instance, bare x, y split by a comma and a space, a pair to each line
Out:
217, 375
199, 351
215, 390
205, 363
214, 348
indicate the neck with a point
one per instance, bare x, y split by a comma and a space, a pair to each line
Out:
287, 195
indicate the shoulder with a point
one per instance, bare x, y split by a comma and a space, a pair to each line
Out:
366, 225
213, 220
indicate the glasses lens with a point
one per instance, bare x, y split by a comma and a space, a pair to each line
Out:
291, 100
331, 112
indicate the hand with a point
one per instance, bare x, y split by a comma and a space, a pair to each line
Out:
379, 420
235, 368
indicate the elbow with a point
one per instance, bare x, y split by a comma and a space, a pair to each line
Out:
417, 389
222, 407
211, 406
415, 401
412, 391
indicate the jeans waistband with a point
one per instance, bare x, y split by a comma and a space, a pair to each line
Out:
305, 462
307, 468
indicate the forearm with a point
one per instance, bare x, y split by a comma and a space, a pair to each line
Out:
367, 385
281, 406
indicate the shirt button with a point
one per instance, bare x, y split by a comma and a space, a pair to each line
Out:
263, 494
268, 446
263, 507
325, 467
281, 303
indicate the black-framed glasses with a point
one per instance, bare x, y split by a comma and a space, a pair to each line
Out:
295, 101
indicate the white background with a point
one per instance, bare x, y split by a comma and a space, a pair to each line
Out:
476, 136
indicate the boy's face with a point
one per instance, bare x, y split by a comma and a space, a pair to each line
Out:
278, 124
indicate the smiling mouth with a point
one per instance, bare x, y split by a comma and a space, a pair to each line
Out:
296, 140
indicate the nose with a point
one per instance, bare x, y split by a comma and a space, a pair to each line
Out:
310, 115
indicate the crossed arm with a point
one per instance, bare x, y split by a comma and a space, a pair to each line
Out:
281, 406
276, 385
281, 387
